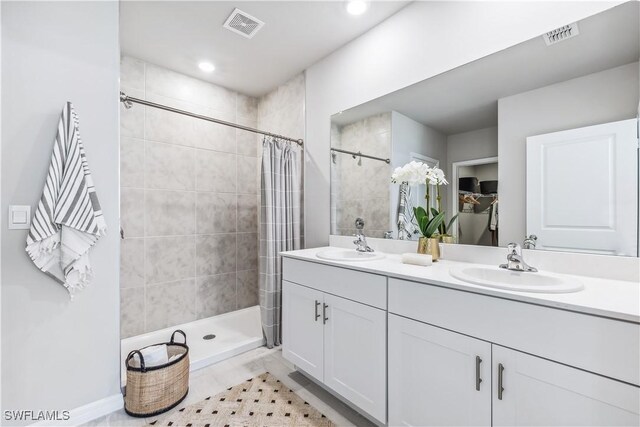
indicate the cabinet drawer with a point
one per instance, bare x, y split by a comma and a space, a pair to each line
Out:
604, 346
365, 288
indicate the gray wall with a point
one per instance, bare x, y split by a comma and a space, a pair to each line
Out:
602, 97
476, 144
58, 354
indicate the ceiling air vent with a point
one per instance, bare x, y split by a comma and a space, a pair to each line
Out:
242, 23
561, 34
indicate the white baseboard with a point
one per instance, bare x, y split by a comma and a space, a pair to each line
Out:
88, 412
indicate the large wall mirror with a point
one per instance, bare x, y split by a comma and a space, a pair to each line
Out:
539, 140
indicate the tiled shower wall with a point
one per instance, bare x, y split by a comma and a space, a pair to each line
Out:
282, 111
189, 201
360, 188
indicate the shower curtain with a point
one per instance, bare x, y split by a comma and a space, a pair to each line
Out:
280, 226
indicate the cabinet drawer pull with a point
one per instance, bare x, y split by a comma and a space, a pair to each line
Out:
324, 313
316, 312
478, 379
500, 375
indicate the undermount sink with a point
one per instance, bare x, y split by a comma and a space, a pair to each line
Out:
350, 255
516, 280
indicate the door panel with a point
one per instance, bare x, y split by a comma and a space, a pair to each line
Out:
538, 392
302, 329
582, 187
355, 354
432, 376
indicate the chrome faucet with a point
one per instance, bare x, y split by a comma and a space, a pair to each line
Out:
530, 242
515, 261
361, 239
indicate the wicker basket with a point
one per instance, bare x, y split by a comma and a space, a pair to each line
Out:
154, 390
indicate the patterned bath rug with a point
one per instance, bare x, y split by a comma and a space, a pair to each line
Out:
259, 401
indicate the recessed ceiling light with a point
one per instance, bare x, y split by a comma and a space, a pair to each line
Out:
357, 7
207, 67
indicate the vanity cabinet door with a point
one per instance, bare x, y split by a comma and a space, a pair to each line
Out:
355, 354
302, 328
538, 392
437, 377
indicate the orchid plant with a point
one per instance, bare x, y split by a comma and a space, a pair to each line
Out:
429, 220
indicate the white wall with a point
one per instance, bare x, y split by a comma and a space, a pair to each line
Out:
409, 136
597, 98
420, 41
57, 354
472, 145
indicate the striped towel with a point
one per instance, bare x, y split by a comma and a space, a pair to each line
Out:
68, 221
406, 226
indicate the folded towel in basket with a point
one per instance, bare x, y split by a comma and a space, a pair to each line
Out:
68, 221
155, 355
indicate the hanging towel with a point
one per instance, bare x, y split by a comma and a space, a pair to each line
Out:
493, 222
493, 215
68, 221
406, 227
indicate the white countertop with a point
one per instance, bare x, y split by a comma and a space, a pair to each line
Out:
614, 299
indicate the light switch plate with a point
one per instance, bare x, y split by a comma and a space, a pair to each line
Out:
19, 217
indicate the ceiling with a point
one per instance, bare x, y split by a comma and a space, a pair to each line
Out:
466, 98
179, 34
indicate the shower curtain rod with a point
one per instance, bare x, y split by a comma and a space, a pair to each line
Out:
359, 154
127, 100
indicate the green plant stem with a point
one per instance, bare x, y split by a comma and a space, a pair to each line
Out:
426, 196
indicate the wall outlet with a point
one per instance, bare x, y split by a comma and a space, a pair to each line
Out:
19, 217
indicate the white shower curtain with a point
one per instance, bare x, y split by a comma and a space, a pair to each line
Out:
280, 226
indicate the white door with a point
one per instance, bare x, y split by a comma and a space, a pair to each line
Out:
437, 377
302, 329
582, 189
355, 354
538, 392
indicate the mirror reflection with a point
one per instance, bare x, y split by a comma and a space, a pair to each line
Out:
537, 145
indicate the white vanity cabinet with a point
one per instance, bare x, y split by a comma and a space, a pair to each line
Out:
336, 340
452, 327
434, 380
355, 359
538, 392
418, 354
303, 336
437, 377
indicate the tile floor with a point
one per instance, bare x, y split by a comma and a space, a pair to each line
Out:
218, 377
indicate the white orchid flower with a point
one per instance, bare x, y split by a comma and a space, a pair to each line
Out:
418, 173
436, 177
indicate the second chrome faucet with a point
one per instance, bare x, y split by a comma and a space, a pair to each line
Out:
515, 261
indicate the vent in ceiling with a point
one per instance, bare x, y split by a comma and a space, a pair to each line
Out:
560, 34
242, 23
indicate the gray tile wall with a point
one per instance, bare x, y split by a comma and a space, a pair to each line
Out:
189, 201
361, 190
